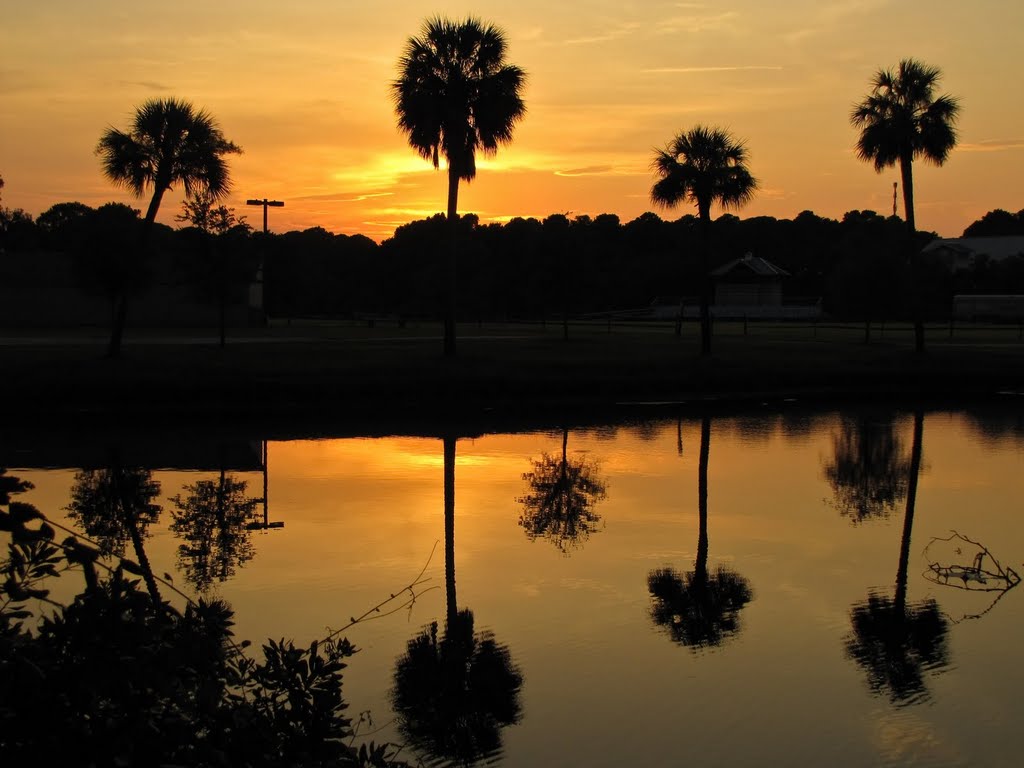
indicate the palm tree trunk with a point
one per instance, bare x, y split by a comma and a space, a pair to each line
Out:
705, 288
452, 285
119, 317
121, 311
132, 524
154, 206
449, 529
916, 309
908, 518
701, 564
907, 175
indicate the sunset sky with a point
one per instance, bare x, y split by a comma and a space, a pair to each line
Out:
302, 87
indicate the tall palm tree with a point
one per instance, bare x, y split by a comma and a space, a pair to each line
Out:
169, 142
901, 120
455, 95
703, 166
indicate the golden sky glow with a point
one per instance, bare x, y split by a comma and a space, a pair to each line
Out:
303, 88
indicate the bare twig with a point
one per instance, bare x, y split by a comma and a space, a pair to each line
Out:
409, 589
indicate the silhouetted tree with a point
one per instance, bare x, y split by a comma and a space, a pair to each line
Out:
703, 166
869, 470
561, 500
456, 95
893, 641
453, 694
62, 226
699, 609
901, 120
212, 520
106, 262
559, 256
116, 505
225, 262
169, 142
997, 223
868, 279
17, 230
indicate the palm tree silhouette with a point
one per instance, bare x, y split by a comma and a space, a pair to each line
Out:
169, 142
869, 471
213, 519
454, 693
699, 609
901, 120
893, 641
703, 166
561, 500
455, 95
116, 505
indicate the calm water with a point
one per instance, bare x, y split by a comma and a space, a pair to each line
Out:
807, 613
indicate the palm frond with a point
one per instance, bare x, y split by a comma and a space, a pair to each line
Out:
902, 119
455, 95
169, 142
702, 165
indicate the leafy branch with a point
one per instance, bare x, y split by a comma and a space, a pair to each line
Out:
133, 681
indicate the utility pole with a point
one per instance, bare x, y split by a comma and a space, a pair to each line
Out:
266, 204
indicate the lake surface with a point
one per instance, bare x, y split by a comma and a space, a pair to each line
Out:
767, 589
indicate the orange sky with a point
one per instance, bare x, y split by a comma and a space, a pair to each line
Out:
303, 88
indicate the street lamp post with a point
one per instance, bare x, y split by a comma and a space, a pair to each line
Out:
256, 298
266, 204
267, 523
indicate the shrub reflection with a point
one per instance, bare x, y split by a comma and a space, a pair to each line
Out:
562, 495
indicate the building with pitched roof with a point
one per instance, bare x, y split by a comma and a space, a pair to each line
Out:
964, 252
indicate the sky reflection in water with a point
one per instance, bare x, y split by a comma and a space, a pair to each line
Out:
837, 650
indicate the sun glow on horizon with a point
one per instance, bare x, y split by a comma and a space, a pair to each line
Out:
305, 92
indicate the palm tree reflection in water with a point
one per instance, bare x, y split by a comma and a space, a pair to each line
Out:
892, 641
699, 609
454, 691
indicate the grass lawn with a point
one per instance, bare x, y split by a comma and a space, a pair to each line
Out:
356, 371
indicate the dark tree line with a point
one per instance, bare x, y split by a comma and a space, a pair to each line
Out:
525, 269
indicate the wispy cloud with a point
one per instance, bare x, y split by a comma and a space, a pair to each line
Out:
149, 85
992, 145
773, 193
590, 170
615, 32
598, 170
340, 197
698, 70
696, 22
